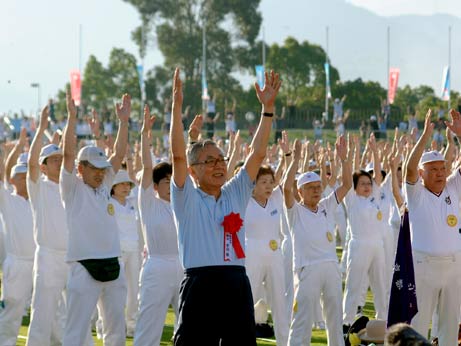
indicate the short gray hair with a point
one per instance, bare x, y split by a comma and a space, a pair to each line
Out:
194, 150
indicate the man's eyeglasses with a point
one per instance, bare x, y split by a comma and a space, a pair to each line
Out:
211, 162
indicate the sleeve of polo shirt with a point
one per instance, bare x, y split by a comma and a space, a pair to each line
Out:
412, 191
455, 180
292, 214
67, 184
4, 197
330, 202
146, 200
349, 199
179, 196
241, 187
33, 188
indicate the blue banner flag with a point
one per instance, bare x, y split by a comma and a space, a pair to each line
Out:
327, 79
402, 304
446, 84
260, 75
140, 69
205, 95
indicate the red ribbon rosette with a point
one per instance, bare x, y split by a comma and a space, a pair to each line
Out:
232, 224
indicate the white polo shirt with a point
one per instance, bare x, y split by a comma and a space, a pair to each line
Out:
158, 224
263, 223
50, 223
365, 216
313, 238
93, 230
435, 220
17, 215
128, 223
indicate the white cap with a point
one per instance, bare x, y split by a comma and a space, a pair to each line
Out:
308, 177
49, 150
93, 155
431, 156
18, 168
122, 177
22, 159
369, 167
312, 163
373, 117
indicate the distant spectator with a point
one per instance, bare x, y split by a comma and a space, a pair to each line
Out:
279, 124
413, 123
318, 127
374, 127
382, 124
338, 111
340, 124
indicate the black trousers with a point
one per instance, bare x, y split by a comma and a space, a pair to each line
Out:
216, 308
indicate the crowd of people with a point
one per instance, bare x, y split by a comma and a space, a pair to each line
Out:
99, 235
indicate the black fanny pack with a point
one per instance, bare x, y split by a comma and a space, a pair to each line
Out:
105, 269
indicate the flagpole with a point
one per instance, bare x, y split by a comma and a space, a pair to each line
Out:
204, 61
327, 60
449, 65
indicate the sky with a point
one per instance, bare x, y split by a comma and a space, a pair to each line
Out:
40, 39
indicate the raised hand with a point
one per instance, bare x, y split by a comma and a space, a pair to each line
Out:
297, 149
341, 148
195, 127
428, 125
177, 88
372, 142
267, 95
93, 122
284, 143
148, 121
123, 110
71, 109
44, 118
455, 124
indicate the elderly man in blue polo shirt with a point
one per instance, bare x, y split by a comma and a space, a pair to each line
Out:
211, 234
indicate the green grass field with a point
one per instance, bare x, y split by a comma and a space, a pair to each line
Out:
318, 336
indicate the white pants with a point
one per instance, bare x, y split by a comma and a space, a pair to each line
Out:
265, 265
132, 263
160, 282
287, 251
438, 281
316, 280
364, 257
83, 293
16, 294
50, 277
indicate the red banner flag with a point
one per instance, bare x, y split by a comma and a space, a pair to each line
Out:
393, 82
75, 86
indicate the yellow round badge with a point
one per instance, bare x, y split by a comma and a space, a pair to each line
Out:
110, 209
329, 236
379, 216
452, 220
273, 245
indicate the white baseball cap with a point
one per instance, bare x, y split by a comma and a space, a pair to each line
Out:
308, 177
369, 167
93, 155
431, 156
122, 177
49, 150
22, 158
18, 168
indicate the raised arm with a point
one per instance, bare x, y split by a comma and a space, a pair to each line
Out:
33, 166
94, 124
146, 139
377, 176
69, 143
123, 111
288, 193
344, 154
411, 172
266, 97
14, 154
394, 163
455, 124
177, 144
